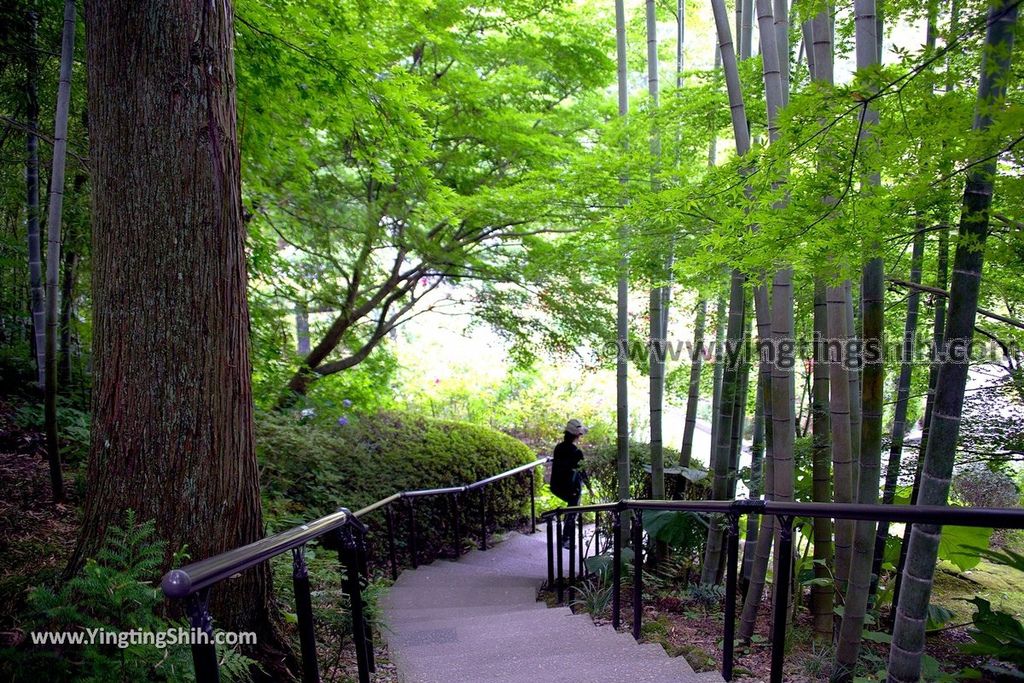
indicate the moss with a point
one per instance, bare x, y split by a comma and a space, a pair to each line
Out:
1001, 585
698, 659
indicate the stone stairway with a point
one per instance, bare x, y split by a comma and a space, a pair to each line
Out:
478, 620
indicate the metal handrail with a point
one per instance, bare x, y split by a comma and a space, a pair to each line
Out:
185, 581
784, 512
193, 581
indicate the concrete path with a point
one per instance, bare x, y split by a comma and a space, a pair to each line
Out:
478, 620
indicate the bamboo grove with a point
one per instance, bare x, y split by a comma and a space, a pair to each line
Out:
830, 208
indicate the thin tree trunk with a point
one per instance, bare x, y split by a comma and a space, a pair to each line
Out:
872, 389
821, 596
908, 631
756, 481
622, 291
746, 29
763, 547
657, 295
853, 375
723, 444
716, 376
739, 413
53, 226
841, 428
938, 339
938, 329
172, 412
67, 300
35, 249
301, 329
693, 394
899, 422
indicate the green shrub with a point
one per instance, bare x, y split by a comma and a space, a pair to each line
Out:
601, 464
311, 468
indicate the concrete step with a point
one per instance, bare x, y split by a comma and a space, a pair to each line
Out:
478, 620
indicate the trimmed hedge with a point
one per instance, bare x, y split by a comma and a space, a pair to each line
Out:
310, 469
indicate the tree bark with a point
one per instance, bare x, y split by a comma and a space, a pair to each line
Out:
172, 425
908, 631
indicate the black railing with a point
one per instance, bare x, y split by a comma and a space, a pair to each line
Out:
342, 531
784, 513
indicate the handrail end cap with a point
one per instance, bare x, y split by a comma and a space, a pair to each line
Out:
176, 584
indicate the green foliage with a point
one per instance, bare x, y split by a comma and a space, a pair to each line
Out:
684, 532
113, 592
311, 468
958, 544
999, 635
602, 463
593, 596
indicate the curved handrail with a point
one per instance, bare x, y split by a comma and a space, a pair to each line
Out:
185, 581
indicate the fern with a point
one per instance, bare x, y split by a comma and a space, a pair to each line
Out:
115, 591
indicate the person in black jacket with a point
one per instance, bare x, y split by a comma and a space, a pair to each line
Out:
567, 477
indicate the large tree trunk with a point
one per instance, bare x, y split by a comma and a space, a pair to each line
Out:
53, 224
35, 248
172, 427
908, 631
872, 389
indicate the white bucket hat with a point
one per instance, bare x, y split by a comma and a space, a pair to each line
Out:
575, 427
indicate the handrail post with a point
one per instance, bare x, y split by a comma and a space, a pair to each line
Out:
364, 572
551, 553
389, 516
304, 616
204, 656
596, 538
483, 517
732, 552
582, 548
638, 571
348, 556
456, 525
412, 533
782, 596
558, 553
533, 501
616, 569
570, 531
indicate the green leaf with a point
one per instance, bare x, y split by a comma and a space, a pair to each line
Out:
958, 545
